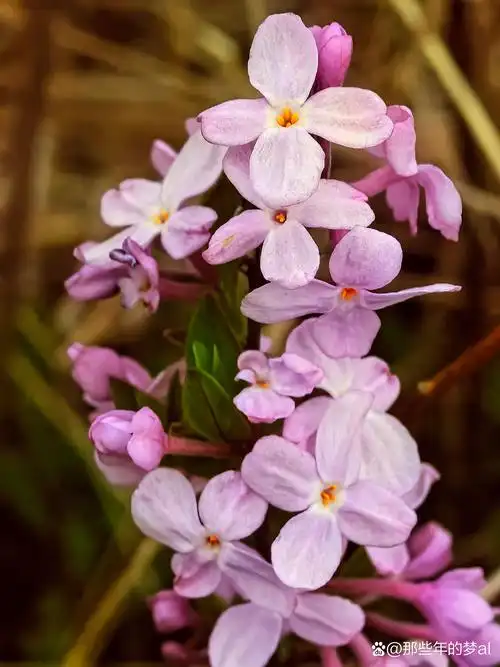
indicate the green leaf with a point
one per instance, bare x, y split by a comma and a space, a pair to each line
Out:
196, 411
124, 395
233, 285
173, 405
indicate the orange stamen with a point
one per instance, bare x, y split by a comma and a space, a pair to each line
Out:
287, 117
263, 384
280, 217
212, 541
328, 495
161, 217
348, 293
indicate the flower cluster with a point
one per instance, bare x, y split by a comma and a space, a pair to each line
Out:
344, 470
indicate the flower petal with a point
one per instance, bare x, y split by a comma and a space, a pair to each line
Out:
378, 301
164, 508
419, 492
237, 169
254, 360
281, 473
334, 205
99, 253
403, 198
373, 375
366, 259
194, 576
118, 212
326, 620
283, 59
179, 244
141, 193
292, 375
162, 156
400, 147
350, 117
230, 508
430, 549
274, 303
389, 560
389, 454
308, 550
193, 219
286, 166
443, 202
195, 170
234, 123
118, 470
263, 406
346, 333
373, 516
338, 438
289, 257
305, 419
237, 237
245, 635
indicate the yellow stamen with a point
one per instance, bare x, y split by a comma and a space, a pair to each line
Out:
227, 242
161, 217
280, 217
263, 384
212, 541
348, 293
287, 117
328, 495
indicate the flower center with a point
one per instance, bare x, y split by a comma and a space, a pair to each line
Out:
161, 217
328, 495
263, 384
287, 117
212, 541
280, 217
348, 293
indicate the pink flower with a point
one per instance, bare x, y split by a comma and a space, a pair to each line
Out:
286, 161
402, 178
248, 634
94, 282
141, 284
364, 260
332, 502
388, 453
148, 209
334, 55
127, 440
164, 507
290, 256
171, 612
273, 382
94, 367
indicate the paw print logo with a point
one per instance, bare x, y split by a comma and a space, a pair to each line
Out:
378, 649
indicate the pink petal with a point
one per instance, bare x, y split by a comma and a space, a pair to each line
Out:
263, 405
338, 437
195, 577
289, 257
237, 237
378, 301
281, 473
237, 169
286, 165
444, 204
142, 234
366, 259
350, 117
141, 193
234, 123
292, 375
164, 508
400, 147
283, 59
245, 635
254, 360
274, 303
229, 508
335, 51
195, 170
162, 156
146, 450
403, 198
389, 560
373, 375
194, 219
419, 492
373, 516
346, 333
430, 550
334, 205
118, 470
389, 454
179, 244
308, 550
117, 212
305, 419
255, 579
192, 125
326, 620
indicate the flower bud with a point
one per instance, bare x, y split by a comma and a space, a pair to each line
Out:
112, 431
170, 611
334, 55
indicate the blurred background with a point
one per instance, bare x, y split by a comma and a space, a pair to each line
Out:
85, 87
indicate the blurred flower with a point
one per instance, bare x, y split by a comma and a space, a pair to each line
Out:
170, 611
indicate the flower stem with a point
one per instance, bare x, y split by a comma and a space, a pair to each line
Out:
400, 628
175, 289
402, 590
189, 447
376, 181
329, 657
362, 648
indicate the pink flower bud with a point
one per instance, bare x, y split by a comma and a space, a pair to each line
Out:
175, 652
334, 55
170, 611
112, 431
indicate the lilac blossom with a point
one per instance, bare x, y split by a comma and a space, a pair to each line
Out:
286, 161
248, 634
289, 256
273, 381
388, 454
147, 209
402, 178
94, 282
171, 612
165, 509
332, 501
143, 279
363, 261
334, 55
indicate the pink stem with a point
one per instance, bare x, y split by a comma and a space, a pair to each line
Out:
393, 588
401, 628
189, 447
329, 657
362, 648
337, 235
173, 289
376, 181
